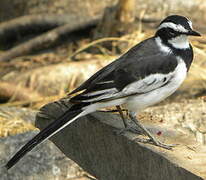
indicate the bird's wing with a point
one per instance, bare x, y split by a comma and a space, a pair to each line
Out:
103, 76
131, 77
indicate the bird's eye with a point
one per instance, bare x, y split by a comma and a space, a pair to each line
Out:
171, 33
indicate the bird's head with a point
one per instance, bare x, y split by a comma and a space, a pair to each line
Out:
175, 30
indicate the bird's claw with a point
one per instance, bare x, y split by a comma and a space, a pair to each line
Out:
156, 143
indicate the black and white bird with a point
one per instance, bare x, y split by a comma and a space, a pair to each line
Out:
145, 75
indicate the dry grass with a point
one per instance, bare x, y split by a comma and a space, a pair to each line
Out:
10, 125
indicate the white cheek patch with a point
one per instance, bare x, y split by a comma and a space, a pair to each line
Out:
175, 27
180, 42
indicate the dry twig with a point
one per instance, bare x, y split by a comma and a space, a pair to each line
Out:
45, 21
44, 40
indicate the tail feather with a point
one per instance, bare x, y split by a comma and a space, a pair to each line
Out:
46, 133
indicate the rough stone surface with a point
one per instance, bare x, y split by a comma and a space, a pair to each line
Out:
92, 143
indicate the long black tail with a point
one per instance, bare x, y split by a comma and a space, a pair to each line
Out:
64, 120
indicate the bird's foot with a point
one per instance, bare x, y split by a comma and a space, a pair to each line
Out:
156, 143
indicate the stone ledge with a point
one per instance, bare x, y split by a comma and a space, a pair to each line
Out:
92, 143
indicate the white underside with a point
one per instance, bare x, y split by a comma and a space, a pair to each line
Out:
140, 102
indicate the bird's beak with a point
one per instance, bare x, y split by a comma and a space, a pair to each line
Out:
193, 33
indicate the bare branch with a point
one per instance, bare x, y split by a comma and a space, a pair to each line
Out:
45, 40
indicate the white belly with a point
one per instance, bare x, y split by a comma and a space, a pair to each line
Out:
140, 102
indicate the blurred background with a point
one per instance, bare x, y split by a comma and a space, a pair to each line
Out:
49, 47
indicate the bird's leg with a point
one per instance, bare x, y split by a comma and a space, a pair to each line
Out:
120, 111
151, 139
128, 126
122, 116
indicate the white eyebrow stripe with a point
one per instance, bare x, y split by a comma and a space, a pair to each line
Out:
176, 27
190, 24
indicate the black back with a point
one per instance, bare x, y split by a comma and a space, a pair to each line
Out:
140, 61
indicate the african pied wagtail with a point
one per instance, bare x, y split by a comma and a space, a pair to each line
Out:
145, 75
